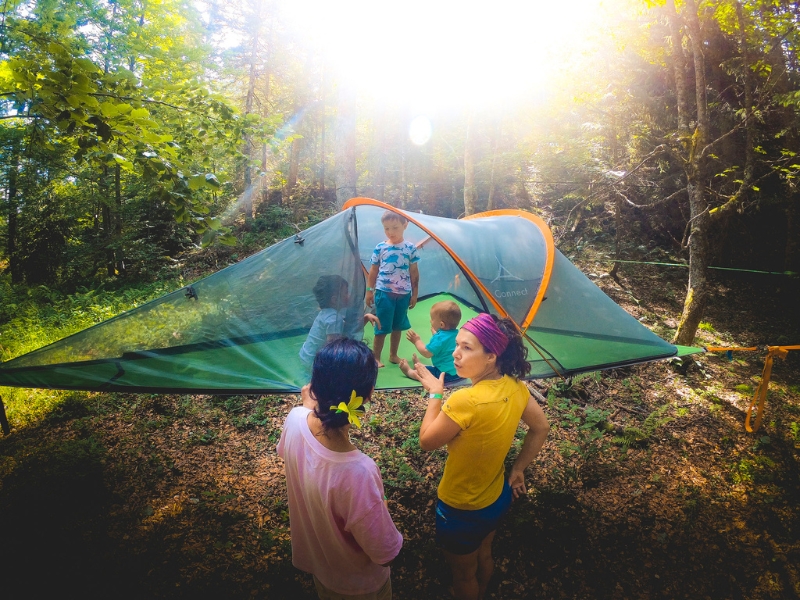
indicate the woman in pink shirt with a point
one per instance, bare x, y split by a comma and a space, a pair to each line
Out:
341, 529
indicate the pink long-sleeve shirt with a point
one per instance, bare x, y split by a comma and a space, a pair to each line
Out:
341, 530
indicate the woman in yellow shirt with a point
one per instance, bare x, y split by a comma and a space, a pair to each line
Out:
478, 424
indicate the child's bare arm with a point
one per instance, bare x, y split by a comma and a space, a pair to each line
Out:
413, 337
372, 279
413, 271
370, 318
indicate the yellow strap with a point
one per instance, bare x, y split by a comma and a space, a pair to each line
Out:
760, 397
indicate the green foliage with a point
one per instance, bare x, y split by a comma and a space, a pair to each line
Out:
753, 470
632, 436
587, 426
34, 317
704, 326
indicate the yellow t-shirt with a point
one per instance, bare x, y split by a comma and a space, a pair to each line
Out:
488, 414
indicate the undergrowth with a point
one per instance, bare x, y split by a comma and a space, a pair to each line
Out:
34, 317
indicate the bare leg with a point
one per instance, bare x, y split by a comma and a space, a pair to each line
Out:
485, 564
465, 575
472, 572
407, 370
377, 347
394, 344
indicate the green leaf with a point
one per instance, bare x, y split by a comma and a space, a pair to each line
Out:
197, 182
87, 65
212, 181
108, 109
208, 237
140, 113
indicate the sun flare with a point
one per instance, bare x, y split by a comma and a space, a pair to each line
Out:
443, 53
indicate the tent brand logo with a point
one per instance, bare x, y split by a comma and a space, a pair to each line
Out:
511, 293
504, 274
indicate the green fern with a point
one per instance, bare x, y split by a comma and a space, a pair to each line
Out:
638, 435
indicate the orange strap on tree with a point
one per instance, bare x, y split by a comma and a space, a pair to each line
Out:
760, 397
730, 348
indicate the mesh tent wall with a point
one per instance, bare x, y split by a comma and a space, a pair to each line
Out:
240, 330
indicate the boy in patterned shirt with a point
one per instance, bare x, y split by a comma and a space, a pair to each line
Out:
392, 284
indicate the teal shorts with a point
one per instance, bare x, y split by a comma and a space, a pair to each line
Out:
392, 311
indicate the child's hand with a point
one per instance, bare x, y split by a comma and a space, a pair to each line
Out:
369, 298
376, 322
412, 336
413, 302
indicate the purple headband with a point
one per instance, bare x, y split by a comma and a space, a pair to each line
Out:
488, 333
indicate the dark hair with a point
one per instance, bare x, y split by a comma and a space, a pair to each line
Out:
340, 367
326, 288
448, 313
390, 215
514, 359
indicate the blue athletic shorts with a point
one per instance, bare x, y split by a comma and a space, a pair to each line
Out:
462, 531
435, 371
392, 311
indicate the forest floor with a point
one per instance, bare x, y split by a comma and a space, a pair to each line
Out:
150, 496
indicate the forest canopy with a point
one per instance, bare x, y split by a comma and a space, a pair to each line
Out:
132, 132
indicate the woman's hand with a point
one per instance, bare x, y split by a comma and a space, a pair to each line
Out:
431, 384
307, 398
516, 480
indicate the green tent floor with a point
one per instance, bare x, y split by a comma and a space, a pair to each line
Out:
390, 376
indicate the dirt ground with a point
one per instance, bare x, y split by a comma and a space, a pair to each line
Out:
648, 486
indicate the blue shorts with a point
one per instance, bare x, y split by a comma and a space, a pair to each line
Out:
462, 531
392, 311
436, 371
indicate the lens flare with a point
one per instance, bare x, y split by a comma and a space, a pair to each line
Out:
420, 130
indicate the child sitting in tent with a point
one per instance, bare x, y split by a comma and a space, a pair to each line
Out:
333, 296
392, 284
342, 532
445, 317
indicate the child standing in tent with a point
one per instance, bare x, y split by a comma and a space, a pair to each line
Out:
342, 532
445, 317
392, 284
333, 296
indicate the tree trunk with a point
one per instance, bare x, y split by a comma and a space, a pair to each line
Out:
346, 144
118, 221
700, 221
322, 111
697, 291
490, 201
470, 191
247, 204
380, 145
791, 261
679, 69
294, 165
109, 251
11, 244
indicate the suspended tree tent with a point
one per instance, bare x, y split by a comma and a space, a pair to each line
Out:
239, 331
